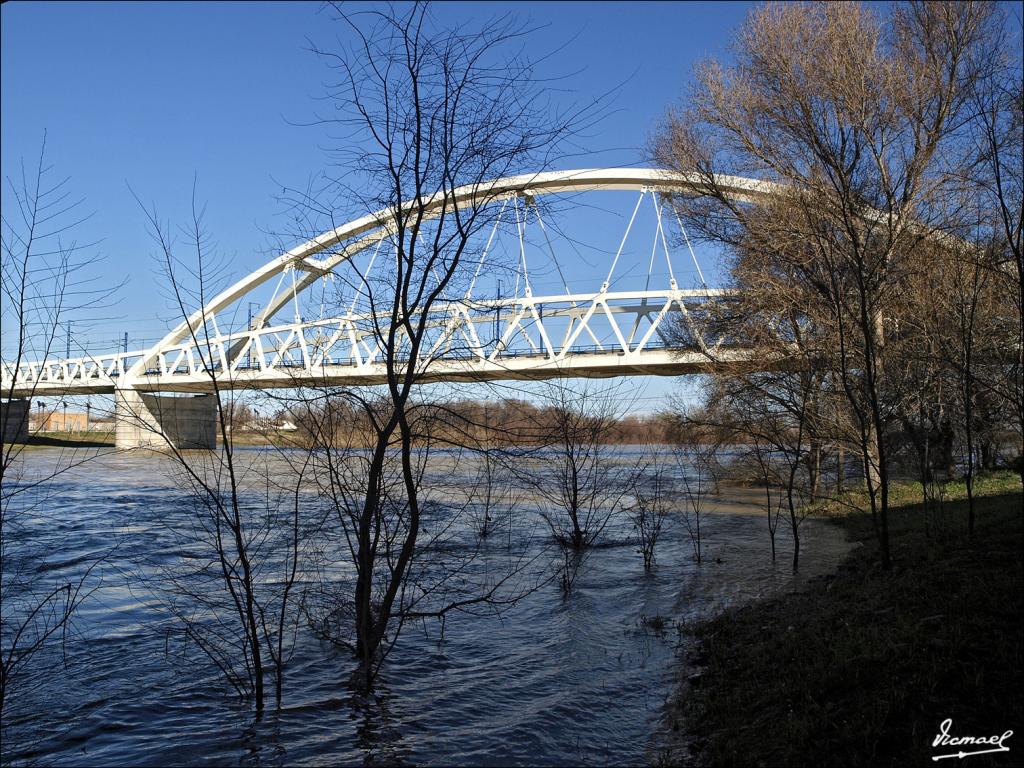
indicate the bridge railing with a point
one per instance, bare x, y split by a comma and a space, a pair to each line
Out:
85, 372
550, 327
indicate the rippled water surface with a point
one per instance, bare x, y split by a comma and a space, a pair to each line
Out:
551, 681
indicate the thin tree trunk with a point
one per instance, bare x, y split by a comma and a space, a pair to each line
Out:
840, 468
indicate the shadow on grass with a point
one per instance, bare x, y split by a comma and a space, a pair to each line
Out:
863, 666
72, 440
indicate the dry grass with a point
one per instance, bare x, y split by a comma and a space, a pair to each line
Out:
863, 666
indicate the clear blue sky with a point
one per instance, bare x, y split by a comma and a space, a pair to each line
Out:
152, 94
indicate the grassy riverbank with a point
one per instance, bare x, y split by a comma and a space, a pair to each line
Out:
105, 439
862, 667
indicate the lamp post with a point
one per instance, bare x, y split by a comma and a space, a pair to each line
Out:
248, 354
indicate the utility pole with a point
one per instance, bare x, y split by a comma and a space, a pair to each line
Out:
126, 342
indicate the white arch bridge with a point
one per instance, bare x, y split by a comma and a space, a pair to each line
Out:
606, 328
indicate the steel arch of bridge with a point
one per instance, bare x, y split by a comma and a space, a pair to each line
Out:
339, 350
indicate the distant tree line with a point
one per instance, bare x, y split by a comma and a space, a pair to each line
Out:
507, 421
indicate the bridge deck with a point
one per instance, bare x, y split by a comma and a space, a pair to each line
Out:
522, 366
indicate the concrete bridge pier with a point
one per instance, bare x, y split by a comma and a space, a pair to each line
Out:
160, 422
14, 420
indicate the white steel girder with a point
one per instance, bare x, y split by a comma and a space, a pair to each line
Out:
527, 346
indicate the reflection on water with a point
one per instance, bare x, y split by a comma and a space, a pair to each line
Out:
552, 681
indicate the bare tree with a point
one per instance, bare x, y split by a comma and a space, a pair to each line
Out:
579, 483
851, 120
456, 568
244, 534
695, 450
996, 182
652, 490
494, 496
736, 417
428, 116
951, 314
47, 282
579, 480
774, 499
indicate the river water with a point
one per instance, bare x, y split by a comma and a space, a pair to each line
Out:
554, 680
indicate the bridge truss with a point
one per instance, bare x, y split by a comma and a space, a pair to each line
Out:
477, 335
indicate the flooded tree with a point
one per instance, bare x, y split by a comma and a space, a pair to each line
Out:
47, 283
578, 480
430, 115
652, 489
493, 494
456, 569
243, 536
768, 476
695, 450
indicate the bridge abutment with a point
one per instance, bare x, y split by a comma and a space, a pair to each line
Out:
14, 420
161, 422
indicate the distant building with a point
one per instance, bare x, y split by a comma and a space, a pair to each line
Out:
269, 425
61, 421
